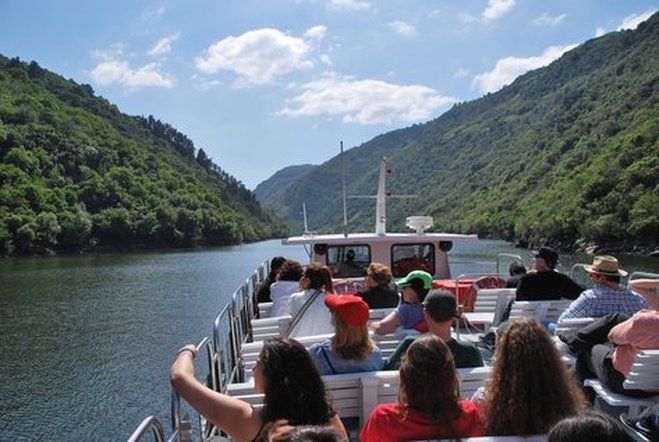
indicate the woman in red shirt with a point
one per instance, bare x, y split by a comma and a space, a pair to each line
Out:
429, 403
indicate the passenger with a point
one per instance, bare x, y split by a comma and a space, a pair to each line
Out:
409, 314
530, 388
281, 431
350, 350
380, 292
275, 267
589, 426
611, 361
428, 405
439, 310
607, 296
546, 283
288, 282
286, 375
516, 271
310, 315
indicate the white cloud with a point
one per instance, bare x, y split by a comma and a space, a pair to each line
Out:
164, 45
497, 8
348, 4
153, 13
632, 21
402, 28
203, 84
467, 18
112, 69
600, 31
365, 101
316, 33
461, 73
509, 68
549, 20
256, 57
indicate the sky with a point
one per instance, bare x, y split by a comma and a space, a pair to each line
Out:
265, 84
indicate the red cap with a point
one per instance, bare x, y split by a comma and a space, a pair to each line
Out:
352, 309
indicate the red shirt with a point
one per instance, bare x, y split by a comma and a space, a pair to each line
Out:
386, 424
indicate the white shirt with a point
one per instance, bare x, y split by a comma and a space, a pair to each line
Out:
317, 318
280, 293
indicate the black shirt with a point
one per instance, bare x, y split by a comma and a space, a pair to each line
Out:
549, 285
379, 297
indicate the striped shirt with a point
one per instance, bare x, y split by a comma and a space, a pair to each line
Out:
602, 300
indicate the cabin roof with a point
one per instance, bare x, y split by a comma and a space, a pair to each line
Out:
353, 238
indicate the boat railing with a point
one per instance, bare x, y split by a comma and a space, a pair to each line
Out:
575, 267
643, 275
149, 425
182, 425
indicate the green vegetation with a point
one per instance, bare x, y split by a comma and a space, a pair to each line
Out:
566, 153
75, 173
278, 184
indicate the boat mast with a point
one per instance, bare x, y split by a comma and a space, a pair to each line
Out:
381, 200
343, 183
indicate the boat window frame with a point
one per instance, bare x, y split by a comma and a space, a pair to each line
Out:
432, 248
370, 258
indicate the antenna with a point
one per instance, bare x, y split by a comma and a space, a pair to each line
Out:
343, 183
304, 216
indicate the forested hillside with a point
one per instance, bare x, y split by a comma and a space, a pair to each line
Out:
75, 173
273, 189
566, 154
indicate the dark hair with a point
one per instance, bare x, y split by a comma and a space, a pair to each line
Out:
416, 284
291, 271
530, 388
275, 264
589, 426
281, 431
294, 389
319, 276
429, 381
516, 268
612, 278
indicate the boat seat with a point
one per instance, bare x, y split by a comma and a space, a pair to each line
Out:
572, 325
644, 375
543, 311
490, 306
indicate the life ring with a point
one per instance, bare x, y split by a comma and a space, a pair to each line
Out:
484, 282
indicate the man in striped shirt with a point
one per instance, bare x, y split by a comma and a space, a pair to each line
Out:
607, 296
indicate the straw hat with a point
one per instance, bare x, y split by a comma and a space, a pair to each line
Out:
605, 265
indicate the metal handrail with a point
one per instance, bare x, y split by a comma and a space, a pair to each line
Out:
575, 266
176, 418
152, 424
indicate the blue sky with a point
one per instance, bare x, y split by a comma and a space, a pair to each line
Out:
261, 85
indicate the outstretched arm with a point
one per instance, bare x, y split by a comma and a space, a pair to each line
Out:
234, 416
390, 323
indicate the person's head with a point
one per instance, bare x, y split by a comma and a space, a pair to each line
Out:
429, 381
589, 426
293, 388
350, 255
275, 265
546, 259
378, 275
530, 388
440, 306
605, 269
349, 316
317, 277
516, 268
291, 271
415, 286
281, 431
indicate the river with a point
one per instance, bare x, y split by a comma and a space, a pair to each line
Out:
87, 341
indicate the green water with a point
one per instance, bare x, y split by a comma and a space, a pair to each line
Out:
87, 341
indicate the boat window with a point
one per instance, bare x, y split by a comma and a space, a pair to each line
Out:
408, 257
348, 261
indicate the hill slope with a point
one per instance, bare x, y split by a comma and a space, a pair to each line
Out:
76, 173
274, 187
566, 153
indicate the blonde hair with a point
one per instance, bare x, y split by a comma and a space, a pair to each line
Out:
380, 273
350, 341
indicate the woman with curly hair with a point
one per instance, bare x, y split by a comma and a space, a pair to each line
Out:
284, 373
429, 404
530, 388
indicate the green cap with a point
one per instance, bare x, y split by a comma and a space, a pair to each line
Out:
416, 274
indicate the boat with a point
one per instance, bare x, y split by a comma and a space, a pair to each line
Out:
241, 326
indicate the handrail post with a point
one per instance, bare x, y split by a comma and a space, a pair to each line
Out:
150, 423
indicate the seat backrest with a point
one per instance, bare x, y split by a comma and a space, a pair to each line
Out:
264, 309
487, 300
644, 374
543, 311
570, 325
